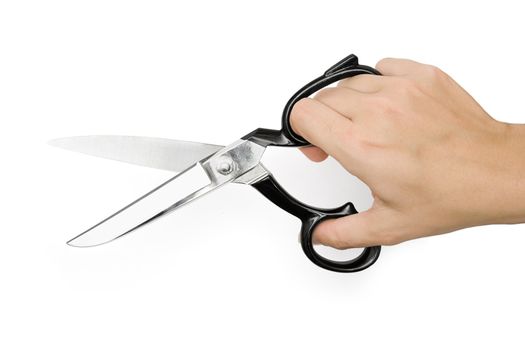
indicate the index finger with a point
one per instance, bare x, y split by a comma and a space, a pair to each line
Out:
321, 126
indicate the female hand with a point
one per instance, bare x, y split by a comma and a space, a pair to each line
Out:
434, 160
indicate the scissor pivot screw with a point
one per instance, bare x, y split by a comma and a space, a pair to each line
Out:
225, 167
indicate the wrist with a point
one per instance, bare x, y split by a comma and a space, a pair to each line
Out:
512, 175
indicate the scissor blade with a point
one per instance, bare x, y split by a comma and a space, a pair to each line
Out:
179, 190
153, 152
226, 165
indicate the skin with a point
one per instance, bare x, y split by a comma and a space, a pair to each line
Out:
434, 160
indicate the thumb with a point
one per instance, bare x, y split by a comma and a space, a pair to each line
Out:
315, 154
376, 226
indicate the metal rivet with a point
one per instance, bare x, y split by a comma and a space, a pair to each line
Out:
225, 167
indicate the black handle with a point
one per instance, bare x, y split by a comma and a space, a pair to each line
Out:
346, 68
310, 217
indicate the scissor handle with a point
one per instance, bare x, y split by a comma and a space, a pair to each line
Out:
311, 217
346, 68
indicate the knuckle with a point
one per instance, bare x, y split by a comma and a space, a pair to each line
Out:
434, 73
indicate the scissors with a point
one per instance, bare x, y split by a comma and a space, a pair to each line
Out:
203, 168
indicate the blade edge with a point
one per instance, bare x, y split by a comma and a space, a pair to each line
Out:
162, 203
151, 152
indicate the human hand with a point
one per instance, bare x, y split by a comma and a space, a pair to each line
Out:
434, 160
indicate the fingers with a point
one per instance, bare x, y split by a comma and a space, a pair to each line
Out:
348, 102
321, 126
397, 66
326, 96
377, 226
314, 153
366, 83
370, 83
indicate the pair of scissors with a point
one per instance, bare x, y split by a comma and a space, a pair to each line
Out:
203, 168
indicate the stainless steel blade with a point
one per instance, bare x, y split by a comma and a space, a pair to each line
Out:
255, 175
145, 209
153, 152
226, 165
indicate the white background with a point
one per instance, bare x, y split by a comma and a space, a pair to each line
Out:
227, 272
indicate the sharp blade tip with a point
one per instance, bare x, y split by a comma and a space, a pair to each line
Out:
72, 243
77, 243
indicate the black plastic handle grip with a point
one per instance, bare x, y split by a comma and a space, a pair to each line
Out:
346, 68
311, 217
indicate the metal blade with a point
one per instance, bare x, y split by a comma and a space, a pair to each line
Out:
146, 209
153, 152
255, 175
226, 165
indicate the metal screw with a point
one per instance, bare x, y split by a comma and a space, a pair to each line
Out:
225, 167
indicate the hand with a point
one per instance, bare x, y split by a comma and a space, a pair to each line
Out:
434, 160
